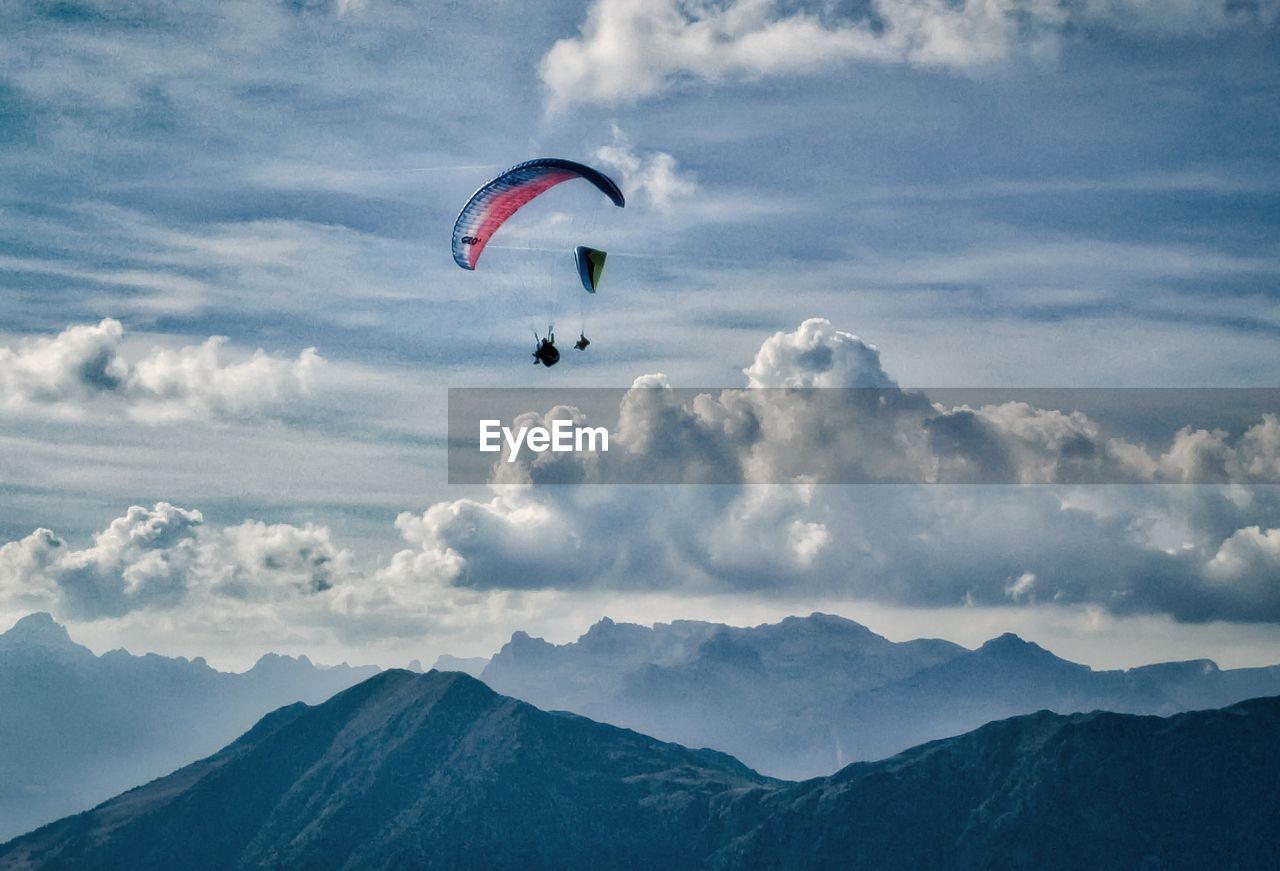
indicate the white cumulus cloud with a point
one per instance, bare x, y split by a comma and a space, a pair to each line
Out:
1249, 552
654, 175
85, 367
631, 49
163, 557
771, 526
816, 355
78, 363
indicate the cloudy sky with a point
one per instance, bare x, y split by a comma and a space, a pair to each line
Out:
229, 315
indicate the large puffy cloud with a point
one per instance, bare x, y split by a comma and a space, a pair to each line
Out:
1252, 556
193, 381
630, 49
158, 558
85, 366
821, 409
521, 541
24, 569
145, 557
1147, 552
166, 566
772, 526
78, 363
1195, 553
817, 355
257, 561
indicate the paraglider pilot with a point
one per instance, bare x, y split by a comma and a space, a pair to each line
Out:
582, 342
546, 352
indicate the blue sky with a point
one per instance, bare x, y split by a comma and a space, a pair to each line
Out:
1015, 193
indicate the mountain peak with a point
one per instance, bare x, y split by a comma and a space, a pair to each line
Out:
818, 618
437, 770
607, 627
272, 661
416, 771
824, 617
1012, 646
819, 628
523, 642
39, 630
1009, 641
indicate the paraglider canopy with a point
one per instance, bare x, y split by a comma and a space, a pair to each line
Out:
590, 266
504, 195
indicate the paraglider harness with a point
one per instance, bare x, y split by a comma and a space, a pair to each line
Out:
582, 342
546, 352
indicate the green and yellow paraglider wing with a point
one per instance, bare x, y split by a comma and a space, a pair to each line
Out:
590, 266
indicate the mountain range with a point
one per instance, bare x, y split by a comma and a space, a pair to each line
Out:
76, 728
437, 770
805, 696
796, 699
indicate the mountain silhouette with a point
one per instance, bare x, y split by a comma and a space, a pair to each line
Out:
411, 771
437, 770
771, 695
805, 696
39, 631
800, 698
472, 665
76, 728
1084, 791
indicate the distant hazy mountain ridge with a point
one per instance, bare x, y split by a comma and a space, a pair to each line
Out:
76, 728
435, 770
805, 696
472, 665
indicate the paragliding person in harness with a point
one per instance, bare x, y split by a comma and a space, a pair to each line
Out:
546, 353
582, 342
